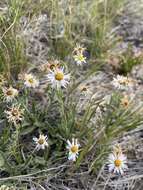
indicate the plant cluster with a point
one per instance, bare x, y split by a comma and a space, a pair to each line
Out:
54, 127
39, 133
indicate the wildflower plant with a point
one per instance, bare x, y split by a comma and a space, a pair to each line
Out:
54, 127
30, 81
14, 114
79, 55
58, 78
41, 142
73, 148
80, 59
9, 93
117, 161
122, 82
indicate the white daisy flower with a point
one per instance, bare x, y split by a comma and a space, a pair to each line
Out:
73, 149
58, 79
9, 93
41, 142
78, 49
122, 82
30, 81
117, 162
51, 65
14, 114
79, 58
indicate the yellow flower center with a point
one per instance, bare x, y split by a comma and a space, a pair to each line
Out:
126, 103
80, 57
74, 149
31, 80
84, 89
9, 93
117, 163
15, 112
41, 141
59, 76
52, 66
124, 82
80, 49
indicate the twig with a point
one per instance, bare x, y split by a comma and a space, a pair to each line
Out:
28, 175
